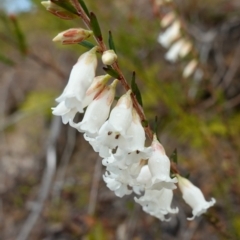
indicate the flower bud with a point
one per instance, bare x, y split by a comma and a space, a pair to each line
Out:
73, 35
58, 11
109, 57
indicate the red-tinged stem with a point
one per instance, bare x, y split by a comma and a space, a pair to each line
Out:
121, 78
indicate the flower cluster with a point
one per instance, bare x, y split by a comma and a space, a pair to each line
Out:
119, 138
115, 131
173, 38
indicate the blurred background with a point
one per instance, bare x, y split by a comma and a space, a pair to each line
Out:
51, 180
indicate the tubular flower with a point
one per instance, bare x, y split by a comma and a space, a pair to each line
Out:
72, 36
98, 111
168, 19
190, 68
113, 132
159, 166
193, 196
179, 49
67, 114
80, 79
170, 34
157, 203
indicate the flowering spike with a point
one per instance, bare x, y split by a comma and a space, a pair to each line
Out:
72, 36
193, 196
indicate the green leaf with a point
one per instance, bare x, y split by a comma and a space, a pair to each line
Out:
136, 90
174, 156
6, 60
109, 70
156, 126
87, 44
66, 5
116, 98
95, 26
145, 123
19, 36
82, 3
187, 176
110, 42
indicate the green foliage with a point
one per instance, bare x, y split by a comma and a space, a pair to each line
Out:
136, 90
6, 60
174, 156
82, 3
19, 36
111, 42
97, 232
109, 70
87, 44
95, 26
38, 102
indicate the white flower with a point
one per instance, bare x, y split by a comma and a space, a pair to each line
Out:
173, 53
145, 177
121, 115
113, 132
67, 114
193, 196
170, 34
109, 57
190, 68
157, 203
134, 150
120, 188
98, 111
168, 19
159, 166
179, 49
80, 79
98, 84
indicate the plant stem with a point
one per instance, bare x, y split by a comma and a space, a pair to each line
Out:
121, 78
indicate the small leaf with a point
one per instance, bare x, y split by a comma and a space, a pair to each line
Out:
66, 5
187, 175
136, 90
116, 98
87, 44
6, 60
156, 126
19, 36
95, 26
145, 123
82, 3
174, 156
110, 42
111, 72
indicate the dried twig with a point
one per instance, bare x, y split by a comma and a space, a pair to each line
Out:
94, 189
46, 180
67, 153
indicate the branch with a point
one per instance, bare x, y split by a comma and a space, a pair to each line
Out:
46, 180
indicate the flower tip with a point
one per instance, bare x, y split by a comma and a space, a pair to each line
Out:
114, 83
45, 3
57, 38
